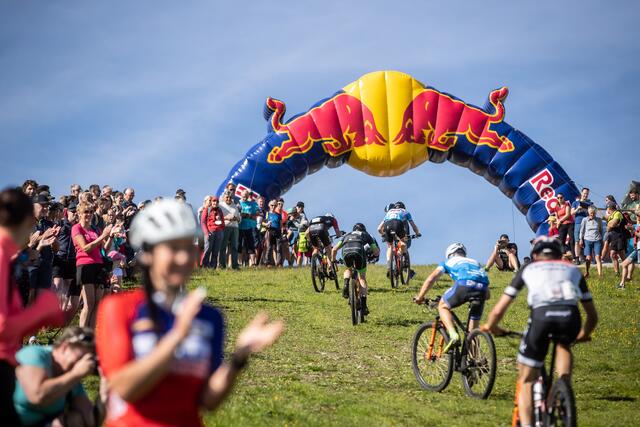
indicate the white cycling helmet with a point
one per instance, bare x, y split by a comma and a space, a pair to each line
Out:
329, 214
453, 248
162, 221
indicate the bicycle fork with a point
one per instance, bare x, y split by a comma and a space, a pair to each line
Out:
432, 341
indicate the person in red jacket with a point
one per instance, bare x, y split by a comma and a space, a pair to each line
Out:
16, 321
213, 217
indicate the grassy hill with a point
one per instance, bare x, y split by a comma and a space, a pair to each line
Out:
324, 371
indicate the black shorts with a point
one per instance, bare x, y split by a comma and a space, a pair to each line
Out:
40, 277
354, 257
394, 226
89, 274
459, 294
319, 235
247, 241
617, 241
560, 323
64, 269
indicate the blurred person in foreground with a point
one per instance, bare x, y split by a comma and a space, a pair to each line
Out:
504, 255
16, 319
161, 348
49, 388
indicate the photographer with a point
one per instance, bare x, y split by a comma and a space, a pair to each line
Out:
49, 381
504, 255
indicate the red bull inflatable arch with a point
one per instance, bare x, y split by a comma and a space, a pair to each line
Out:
386, 123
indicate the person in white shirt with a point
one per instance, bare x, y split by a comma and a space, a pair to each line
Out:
232, 219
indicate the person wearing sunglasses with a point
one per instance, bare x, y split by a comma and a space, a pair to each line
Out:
88, 242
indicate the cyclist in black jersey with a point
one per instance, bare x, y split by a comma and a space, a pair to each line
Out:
554, 288
319, 231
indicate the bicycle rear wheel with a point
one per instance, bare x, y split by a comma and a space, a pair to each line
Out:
432, 368
354, 302
480, 372
317, 279
405, 267
561, 405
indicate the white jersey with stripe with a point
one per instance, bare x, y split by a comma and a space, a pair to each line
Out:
549, 283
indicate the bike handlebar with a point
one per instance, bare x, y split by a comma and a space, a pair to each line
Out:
430, 302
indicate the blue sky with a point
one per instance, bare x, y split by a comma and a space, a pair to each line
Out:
160, 95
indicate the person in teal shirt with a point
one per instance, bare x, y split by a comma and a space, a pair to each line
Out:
49, 380
248, 232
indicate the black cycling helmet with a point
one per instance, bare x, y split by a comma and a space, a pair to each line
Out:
548, 246
388, 207
399, 205
359, 227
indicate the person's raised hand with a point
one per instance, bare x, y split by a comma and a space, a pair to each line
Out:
47, 241
259, 334
107, 230
85, 366
49, 232
190, 308
34, 238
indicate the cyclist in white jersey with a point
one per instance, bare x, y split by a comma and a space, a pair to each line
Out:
554, 289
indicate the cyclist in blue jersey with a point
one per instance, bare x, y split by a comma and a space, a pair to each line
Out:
469, 281
397, 220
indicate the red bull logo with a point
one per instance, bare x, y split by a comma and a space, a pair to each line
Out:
354, 128
438, 120
541, 183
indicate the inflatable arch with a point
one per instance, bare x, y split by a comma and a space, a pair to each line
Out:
386, 123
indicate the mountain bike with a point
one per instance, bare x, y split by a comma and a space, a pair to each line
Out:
474, 357
355, 301
399, 264
323, 269
553, 401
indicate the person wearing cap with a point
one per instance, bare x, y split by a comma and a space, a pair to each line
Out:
41, 270
64, 264
160, 347
49, 380
504, 255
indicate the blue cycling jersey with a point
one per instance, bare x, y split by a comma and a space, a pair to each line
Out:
465, 271
398, 214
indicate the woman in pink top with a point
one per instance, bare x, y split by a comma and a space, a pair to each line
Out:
16, 321
88, 242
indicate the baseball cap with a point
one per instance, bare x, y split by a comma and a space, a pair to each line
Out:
41, 199
300, 204
73, 205
181, 191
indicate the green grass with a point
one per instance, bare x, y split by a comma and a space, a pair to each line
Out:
324, 371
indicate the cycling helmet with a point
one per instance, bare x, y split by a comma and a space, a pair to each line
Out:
329, 214
160, 222
399, 205
453, 248
359, 227
388, 207
548, 246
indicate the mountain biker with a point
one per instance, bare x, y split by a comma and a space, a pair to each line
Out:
319, 232
357, 248
159, 347
554, 288
469, 281
397, 220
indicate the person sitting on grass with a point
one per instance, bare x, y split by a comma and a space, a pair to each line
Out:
49, 381
504, 255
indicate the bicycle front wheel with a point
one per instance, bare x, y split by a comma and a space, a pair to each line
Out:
561, 405
317, 279
432, 368
480, 372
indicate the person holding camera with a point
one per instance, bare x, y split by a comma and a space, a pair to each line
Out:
48, 385
88, 242
504, 255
